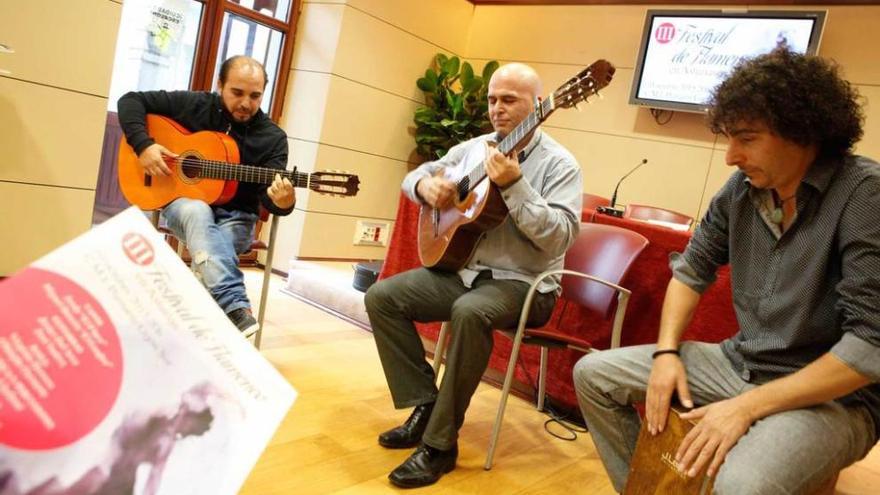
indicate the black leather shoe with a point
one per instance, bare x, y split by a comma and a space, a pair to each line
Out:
424, 467
409, 434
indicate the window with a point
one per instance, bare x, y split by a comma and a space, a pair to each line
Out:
262, 29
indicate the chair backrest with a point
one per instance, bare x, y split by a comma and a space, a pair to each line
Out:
591, 201
603, 251
642, 212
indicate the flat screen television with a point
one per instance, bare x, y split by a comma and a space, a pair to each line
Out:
685, 54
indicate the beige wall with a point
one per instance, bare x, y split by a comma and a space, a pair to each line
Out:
52, 113
350, 103
352, 95
349, 106
686, 162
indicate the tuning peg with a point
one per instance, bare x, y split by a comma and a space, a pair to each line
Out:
600, 95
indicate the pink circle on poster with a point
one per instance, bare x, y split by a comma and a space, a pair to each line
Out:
60, 361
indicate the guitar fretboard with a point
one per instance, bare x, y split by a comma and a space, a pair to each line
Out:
508, 144
209, 169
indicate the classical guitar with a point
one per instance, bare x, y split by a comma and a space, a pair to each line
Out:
448, 237
207, 168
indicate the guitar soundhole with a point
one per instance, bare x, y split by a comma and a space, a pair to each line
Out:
464, 186
190, 166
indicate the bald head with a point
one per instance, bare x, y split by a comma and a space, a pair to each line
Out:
512, 92
518, 75
242, 64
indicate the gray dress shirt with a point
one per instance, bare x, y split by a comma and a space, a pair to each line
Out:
804, 292
545, 211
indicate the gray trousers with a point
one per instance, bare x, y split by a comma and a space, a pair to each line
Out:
791, 452
425, 295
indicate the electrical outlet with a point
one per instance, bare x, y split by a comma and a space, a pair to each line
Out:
368, 233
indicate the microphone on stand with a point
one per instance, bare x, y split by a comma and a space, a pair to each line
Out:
611, 210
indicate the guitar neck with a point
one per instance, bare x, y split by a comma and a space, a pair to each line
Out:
525, 128
516, 137
209, 169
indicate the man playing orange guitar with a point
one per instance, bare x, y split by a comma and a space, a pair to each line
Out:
215, 235
542, 190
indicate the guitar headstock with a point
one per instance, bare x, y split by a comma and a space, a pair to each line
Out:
335, 182
584, 85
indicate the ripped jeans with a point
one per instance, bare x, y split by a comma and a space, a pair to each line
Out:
214, 237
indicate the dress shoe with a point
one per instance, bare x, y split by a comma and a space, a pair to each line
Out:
424, 467
409, 434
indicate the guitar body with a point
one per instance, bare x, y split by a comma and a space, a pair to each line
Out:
447, 238
153, 192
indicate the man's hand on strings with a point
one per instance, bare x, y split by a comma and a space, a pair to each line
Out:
502, 170
437, 191
152, 159
281, 192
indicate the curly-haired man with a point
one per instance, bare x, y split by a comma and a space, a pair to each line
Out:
791, 398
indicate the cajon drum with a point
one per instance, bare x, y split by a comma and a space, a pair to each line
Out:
653, 469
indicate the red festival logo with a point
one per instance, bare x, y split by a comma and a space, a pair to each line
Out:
665, 32
138, 249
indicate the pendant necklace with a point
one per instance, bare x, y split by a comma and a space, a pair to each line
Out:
776, 216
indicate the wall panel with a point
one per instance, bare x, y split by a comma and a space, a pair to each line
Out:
52, 114
65, 44
37, 219
444, 23
50, 136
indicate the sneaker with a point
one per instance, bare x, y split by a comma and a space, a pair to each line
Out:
244, 320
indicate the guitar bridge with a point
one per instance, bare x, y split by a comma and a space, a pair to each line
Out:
148, 180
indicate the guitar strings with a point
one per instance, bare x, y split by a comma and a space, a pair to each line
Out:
249, 171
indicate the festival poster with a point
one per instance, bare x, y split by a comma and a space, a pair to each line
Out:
687, 57
119, 374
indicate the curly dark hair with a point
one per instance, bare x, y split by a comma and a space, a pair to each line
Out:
801, 98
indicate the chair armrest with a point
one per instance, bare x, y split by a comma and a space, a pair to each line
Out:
622, 300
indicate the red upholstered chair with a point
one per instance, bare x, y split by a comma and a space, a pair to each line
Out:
590, 203
642, 212
594, 266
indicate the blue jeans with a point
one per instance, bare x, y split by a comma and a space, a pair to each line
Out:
789, 452
214, 237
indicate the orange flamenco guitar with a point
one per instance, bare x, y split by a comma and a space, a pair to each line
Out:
207, 168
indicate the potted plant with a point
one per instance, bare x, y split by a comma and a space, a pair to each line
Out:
455, 105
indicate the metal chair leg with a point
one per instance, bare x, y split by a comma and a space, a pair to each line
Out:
542, 377
440, 348
267, 276
154, 218
505, 392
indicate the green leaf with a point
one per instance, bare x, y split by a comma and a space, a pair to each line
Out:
467, 74
451, 66
471, 87
426, 85
441, 60
489, 69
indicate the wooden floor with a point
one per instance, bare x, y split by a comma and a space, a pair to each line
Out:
327, 442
